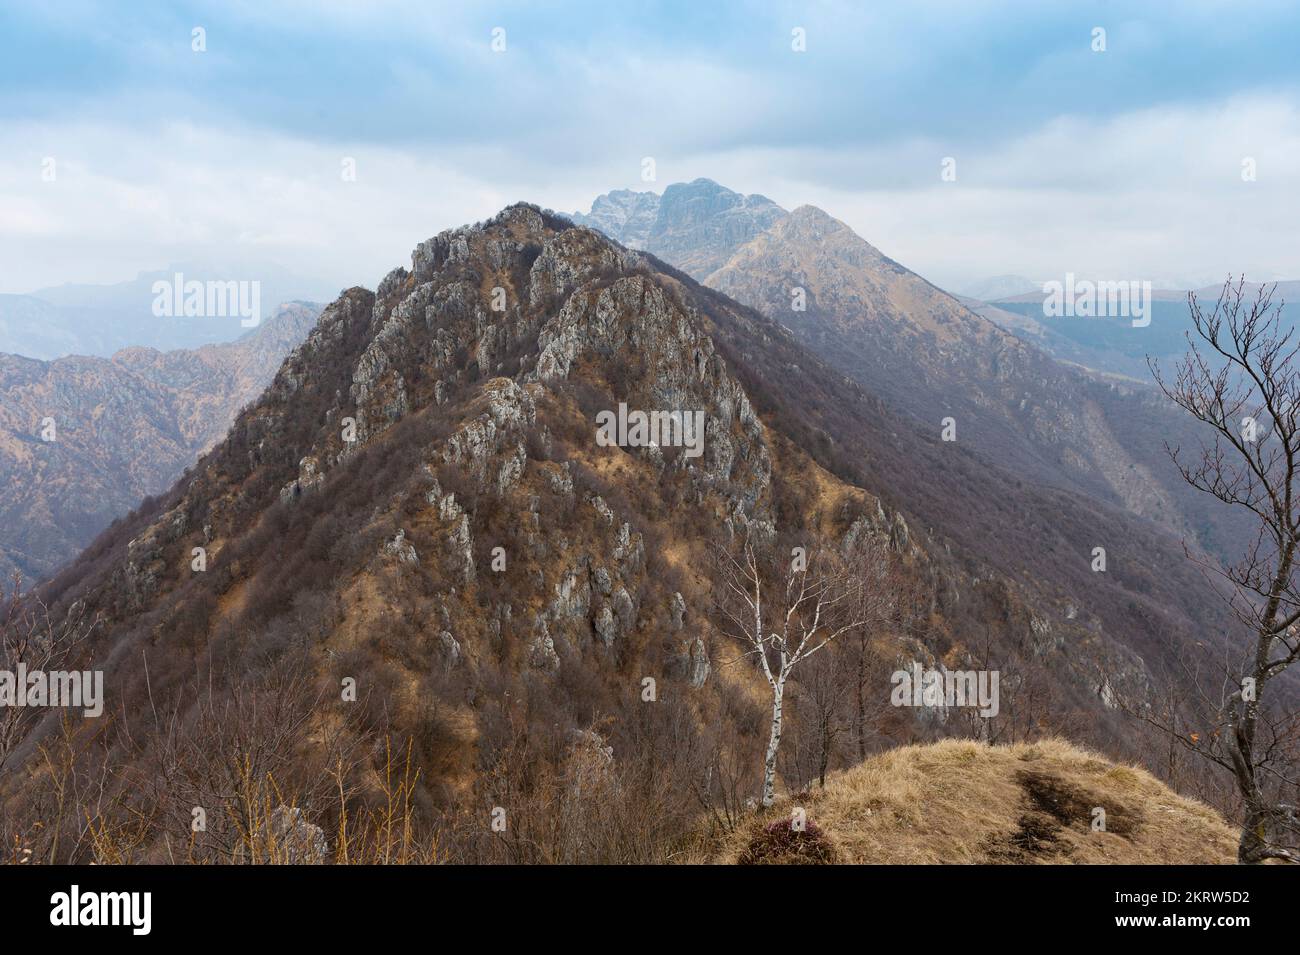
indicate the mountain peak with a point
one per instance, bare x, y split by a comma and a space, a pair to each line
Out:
694, 225
811, 217
698, 187
623, 215
704, 197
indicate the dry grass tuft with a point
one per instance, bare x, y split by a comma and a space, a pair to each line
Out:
966, 802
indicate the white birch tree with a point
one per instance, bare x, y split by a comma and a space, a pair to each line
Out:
820, 597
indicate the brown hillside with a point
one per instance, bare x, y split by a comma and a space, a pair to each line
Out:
415, 545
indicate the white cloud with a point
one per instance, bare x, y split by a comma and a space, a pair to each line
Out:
122, 203
1151, 193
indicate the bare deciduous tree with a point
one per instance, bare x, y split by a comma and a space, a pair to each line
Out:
1241, 379
822, 596
33, 638
822, 688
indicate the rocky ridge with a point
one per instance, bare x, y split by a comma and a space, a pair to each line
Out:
417, 503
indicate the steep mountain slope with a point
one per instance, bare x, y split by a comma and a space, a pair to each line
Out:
418, 512
907, 339
1031, 803
1047, 338
931, 358
122, 428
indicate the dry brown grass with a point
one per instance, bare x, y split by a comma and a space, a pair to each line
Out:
965, 802
268, 829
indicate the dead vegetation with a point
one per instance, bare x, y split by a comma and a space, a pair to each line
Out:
959, 802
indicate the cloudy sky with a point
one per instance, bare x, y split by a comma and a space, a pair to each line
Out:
1126, 163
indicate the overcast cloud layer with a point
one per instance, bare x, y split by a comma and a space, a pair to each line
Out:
1124, 164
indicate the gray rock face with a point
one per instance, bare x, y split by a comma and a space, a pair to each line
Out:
607, 626
449, 246
378, 388
695, 225
309, 476
634, 315
462, 545
144, 555
510, 412
541, 651
624, 609
677, 611
402, 549
900, 538
623, 215
602, 509
393, 281
572, 595
297, 841
437, 312
572, 258
512, 469
561, 480
700, 223
449, 647
698, 666
1041, 636
630, 549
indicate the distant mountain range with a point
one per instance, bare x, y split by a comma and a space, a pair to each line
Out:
1113, 344
85, 319
123, 427
998, 286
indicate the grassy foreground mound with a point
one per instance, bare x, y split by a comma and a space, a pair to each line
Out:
960, 802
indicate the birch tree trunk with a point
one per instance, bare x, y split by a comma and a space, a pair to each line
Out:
773, 743
862, 706
815, 607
